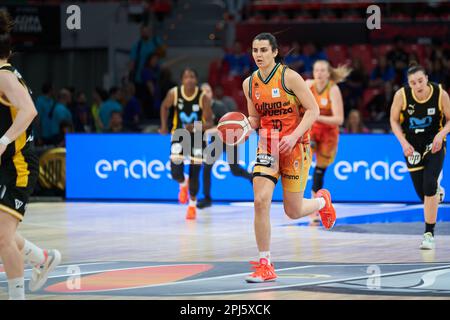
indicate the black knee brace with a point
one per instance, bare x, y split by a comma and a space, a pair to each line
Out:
177, 171
318, 179
194, 172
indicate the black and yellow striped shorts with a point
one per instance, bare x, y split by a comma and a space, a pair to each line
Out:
18, 177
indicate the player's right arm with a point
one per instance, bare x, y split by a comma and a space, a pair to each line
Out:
19, 97
396, 108
167, 103
253, 116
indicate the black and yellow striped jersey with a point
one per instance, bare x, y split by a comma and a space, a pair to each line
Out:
421, 120
8, 113
187, 110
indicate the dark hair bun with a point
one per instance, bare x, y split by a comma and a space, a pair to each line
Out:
6, 24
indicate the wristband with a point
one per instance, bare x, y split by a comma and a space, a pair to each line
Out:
5, 140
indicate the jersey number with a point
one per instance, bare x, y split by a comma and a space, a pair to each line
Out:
277, 125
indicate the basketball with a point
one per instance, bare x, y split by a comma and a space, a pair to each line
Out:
234, 128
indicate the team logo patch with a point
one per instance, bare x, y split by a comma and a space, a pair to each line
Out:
275, 93
18, 204
195, 108
431, 111
414, 158
296, 164
180, 106
257, 95
324, 101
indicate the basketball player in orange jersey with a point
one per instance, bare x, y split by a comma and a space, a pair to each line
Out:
282, 107
19, 169
192, 116
325, 131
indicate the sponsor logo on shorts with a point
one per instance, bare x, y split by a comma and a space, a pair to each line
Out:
18, 204
291, 177
264, 160
414, 158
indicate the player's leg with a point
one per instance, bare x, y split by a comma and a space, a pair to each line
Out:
11, 255
265, 177
263, 187
194, 175
326, 153
177, 156
196, 158
212, 154
294, 172
433, 167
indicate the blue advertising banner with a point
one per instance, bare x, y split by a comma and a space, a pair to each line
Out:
368, 168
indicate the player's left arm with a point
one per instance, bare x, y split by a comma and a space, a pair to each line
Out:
207, 112
296, 84
337, 108
19, 97
439, 138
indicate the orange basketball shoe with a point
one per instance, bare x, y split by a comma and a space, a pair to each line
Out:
264, 272
183, 195
191, 213
327, 213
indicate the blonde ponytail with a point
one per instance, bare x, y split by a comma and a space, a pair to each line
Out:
340, 73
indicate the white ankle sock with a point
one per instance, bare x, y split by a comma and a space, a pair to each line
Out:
16, 289
192, 203
321, 202
184, 183
33, 254
265, 255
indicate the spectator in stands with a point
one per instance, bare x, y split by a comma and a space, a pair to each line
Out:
312, 53
115, 122
147, 45
58, 114
99, 96
151, 98
107, 107
381, 78
132, 110
43, 105
65, 127
382, 73
228, 101
354, 123
437, 73
238, 61
295, 58
82, 120
353, 88
398, 59
165, 81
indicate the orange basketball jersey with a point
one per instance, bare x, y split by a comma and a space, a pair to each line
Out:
279, 108
324, 102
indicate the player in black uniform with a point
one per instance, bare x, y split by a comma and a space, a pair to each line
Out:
18, 174
192, 115
418, 114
